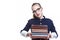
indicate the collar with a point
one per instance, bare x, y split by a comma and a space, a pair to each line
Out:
43, 17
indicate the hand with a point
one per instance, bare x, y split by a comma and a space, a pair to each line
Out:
49, 36
29, 34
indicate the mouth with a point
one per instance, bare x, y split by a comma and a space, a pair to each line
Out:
37, 14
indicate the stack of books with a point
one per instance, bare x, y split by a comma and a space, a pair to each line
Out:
39, 31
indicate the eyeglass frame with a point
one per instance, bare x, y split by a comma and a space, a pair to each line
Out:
36, 10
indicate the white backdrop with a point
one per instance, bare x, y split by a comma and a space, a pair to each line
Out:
14, 15
50, 10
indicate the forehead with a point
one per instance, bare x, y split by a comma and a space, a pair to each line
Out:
34, 7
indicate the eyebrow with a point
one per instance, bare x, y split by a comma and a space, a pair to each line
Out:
36, 9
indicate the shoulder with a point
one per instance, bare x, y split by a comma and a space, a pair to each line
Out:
48, 19
31, 19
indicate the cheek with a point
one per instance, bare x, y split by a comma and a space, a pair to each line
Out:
37, 14
40, 12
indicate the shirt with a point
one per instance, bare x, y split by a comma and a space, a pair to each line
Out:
37, 21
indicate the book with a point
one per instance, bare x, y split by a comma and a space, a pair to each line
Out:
39, 31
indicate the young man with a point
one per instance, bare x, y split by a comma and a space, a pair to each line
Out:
39, 19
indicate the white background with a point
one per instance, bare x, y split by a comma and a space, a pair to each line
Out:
14, 14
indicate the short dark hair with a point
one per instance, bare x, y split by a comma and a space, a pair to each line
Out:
35, 4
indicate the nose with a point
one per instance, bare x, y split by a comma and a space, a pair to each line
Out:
37, 12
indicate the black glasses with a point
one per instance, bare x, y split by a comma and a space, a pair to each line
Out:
36, 10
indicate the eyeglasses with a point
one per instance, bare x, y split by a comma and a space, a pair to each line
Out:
36, 10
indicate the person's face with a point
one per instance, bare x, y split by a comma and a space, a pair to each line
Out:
37, 10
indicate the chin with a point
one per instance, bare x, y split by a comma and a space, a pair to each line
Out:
38, 16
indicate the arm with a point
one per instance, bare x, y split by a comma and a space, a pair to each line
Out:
24, 32
53, 31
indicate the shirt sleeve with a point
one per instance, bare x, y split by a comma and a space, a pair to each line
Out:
53, 35
27, 27
52, 29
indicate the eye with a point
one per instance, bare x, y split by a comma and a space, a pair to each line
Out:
34, 11
38, 9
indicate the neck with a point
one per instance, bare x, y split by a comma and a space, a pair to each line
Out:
41, 17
